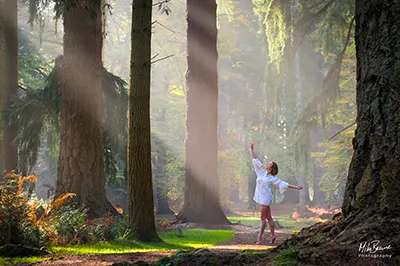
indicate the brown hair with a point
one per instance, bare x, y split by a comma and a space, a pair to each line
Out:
274, 170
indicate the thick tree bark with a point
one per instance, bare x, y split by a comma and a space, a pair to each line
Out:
375, 166
80, 168
201, 182
9, 81
2, 81
140, 201
371, 207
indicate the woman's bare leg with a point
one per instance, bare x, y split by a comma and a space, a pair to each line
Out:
263, 222
271, 224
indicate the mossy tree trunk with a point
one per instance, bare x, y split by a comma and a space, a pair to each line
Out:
140, 191
9, 80
80, 168
201, 202
371, 205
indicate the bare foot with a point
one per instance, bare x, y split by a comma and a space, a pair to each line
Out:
272, 240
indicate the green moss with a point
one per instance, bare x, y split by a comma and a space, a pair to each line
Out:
285, 258
255, 253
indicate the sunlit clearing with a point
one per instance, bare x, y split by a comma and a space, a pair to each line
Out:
198, 238
195, 238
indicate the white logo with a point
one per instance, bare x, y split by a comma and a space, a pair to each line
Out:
370, 249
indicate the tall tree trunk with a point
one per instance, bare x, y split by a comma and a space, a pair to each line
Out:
251, 176
299, 105
161, 163
316, 138
9, 81
80, 168
140, 184
201, 181
2, 82
371, 207
291, 197
373, 181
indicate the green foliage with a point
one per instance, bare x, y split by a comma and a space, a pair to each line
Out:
70, 224
337, 152
331, 30
73, 227
37, 113
29, 221
16, 226
277, 29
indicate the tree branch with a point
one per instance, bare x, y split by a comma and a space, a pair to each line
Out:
161, 2
340, 131
171, 55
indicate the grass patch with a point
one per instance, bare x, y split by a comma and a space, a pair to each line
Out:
253, 221
194, 238
284, 220
197, 238
17, 261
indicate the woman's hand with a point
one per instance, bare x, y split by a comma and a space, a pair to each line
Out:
299, 187
251, 146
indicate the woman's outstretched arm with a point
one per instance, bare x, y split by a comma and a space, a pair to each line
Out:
252, 150
295, 187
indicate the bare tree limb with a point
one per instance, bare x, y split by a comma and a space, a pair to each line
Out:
171, 55
340, 131
161, 2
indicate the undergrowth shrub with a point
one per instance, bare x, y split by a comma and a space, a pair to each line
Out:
30, 221
16, 222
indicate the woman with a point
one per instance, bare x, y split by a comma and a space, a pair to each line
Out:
263, 193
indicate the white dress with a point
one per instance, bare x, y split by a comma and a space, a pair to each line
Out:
263, 192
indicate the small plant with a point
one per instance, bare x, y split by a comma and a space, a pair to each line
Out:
15, 214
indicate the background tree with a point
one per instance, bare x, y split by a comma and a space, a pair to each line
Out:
140, 187
80, 167
370, 211
2, 79
9, 81
201, 180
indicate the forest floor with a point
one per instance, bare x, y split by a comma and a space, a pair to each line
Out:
244, 239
